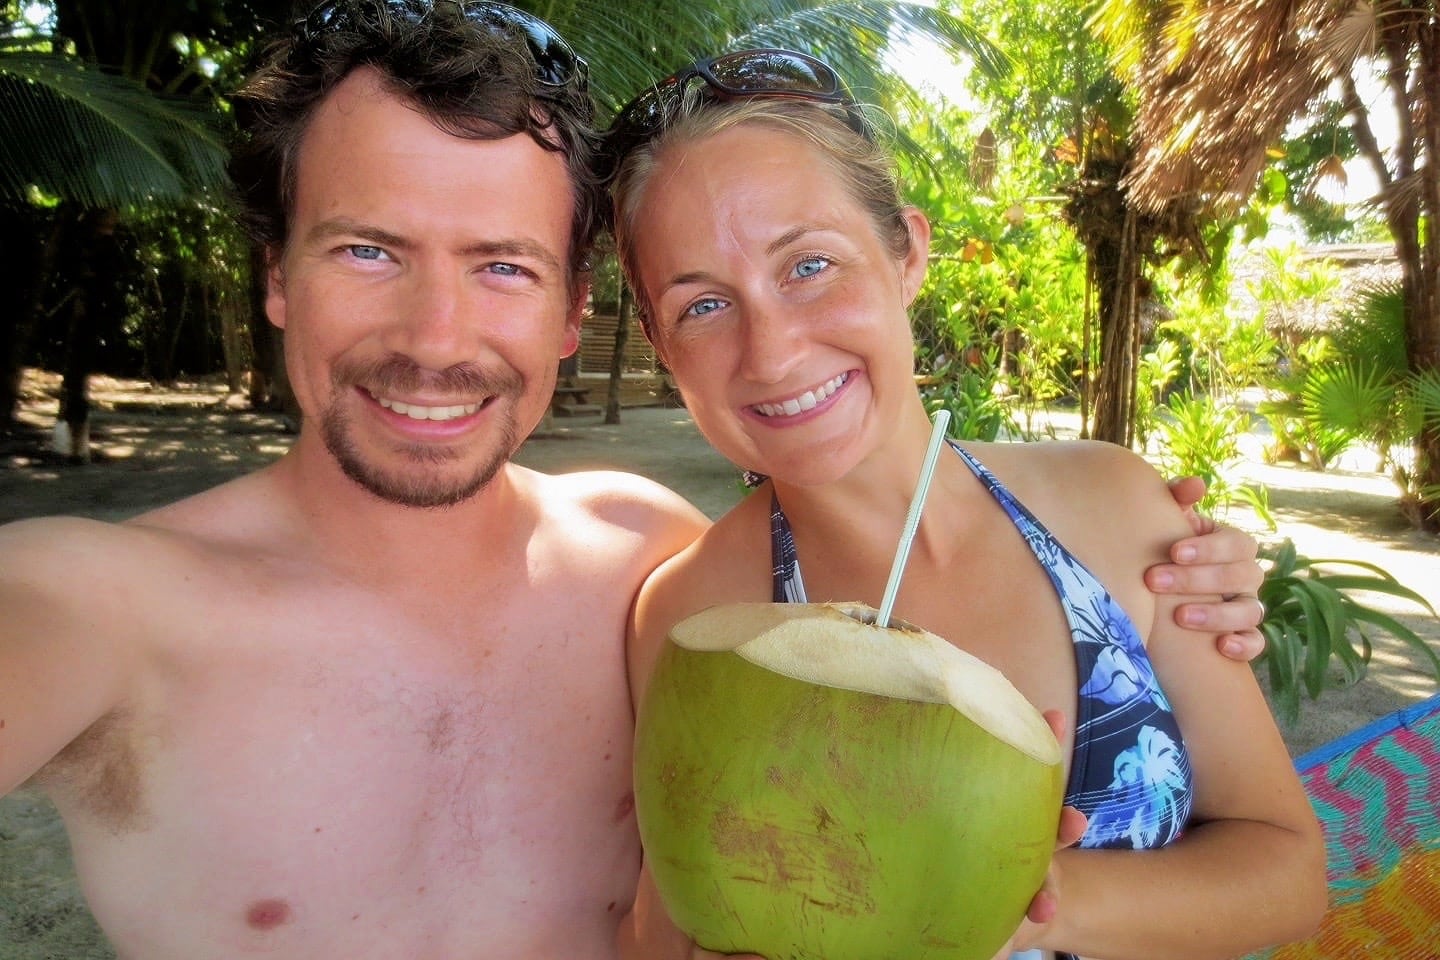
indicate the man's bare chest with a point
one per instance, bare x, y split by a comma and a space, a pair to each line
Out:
363, 757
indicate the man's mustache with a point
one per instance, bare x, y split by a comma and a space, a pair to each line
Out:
398, 373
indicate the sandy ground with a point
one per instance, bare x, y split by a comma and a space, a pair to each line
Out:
153, 446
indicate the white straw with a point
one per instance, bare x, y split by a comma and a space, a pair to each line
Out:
912, 519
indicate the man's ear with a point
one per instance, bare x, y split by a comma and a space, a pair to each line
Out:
274, 287
917, 260
570, 340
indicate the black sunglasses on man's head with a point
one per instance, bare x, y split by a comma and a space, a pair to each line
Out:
556, 64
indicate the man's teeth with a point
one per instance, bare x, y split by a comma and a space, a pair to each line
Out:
806, 400
416, 412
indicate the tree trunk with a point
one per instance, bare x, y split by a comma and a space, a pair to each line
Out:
269, 381
1422, 335
94, 307
25, 268
1422, 328
232, 335
72, 427
262, 346
1119, 337
617, 355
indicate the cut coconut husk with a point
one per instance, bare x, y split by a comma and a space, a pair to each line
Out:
809, 785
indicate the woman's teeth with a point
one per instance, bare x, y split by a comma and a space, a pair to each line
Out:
806, 400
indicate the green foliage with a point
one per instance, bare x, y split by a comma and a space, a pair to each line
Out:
968, 391
1199, 437
79, 133
1004, 274
1312, 167
1225, 353
1425, 395
1054, 86
1371, 328
1158, 370
1346, 387
1356, 388
1293, 290
1294, 409
1347, 399
632, 45
1317, 634
1372, 331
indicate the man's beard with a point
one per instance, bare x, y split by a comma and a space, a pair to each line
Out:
426, 483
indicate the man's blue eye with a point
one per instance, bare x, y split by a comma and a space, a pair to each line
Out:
363, 251
505, 269
811, 266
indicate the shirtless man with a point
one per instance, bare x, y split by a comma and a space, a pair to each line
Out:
371, 700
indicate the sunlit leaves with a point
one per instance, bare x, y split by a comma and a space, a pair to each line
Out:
79, 133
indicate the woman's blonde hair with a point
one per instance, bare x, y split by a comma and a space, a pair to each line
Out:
865, 168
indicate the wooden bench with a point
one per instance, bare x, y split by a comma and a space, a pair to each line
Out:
570, 400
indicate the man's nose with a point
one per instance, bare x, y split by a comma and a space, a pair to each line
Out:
435, 319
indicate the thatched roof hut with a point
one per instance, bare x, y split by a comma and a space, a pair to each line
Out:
1359, 266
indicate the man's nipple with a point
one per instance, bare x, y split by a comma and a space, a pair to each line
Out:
267, 914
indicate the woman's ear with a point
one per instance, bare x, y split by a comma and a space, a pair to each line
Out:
917, 259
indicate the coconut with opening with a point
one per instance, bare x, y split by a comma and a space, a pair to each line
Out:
811, 785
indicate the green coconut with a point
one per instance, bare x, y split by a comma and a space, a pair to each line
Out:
810, 785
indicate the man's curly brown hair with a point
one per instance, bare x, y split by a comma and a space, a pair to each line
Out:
457, 69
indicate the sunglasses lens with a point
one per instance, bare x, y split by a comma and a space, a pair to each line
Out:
773, 71
556, 64
750, 73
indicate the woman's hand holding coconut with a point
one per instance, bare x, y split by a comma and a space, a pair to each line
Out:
1045, 904
811, 784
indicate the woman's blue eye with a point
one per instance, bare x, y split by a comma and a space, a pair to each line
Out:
811, 266
362, 251
701, 307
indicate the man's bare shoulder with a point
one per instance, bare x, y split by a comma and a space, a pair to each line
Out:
53, 552
242, 508
66, 549
623, 501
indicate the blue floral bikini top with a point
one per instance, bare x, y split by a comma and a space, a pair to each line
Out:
1129, 773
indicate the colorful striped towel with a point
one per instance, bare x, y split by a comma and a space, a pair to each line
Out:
1377, 794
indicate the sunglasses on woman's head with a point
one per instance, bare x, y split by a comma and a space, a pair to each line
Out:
556, 64
784, 74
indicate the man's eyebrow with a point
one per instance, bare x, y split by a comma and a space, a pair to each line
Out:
346, 227
518, 248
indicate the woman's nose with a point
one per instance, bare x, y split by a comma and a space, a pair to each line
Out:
773, 344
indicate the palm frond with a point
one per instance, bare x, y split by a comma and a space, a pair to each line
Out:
85, 135
628, 48
1372, 327
1354, 399
1425, 392
1209, 110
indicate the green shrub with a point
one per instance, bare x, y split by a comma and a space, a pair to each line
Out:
1317, 634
